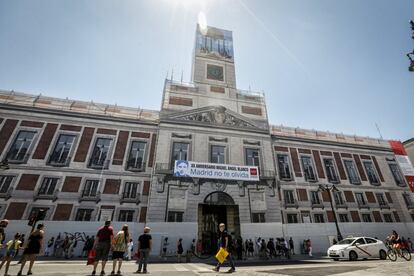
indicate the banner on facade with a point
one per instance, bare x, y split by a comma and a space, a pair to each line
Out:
404, 162
184, 168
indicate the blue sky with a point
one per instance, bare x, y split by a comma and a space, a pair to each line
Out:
323, 64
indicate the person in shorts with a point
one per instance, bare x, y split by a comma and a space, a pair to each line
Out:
119, 246
102, 246
12, 247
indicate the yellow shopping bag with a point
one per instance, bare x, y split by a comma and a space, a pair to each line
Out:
222, 255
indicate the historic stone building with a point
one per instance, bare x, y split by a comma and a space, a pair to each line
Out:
91, 162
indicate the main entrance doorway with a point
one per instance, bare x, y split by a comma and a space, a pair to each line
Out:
218, 207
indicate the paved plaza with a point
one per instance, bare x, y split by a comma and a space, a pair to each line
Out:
318, 267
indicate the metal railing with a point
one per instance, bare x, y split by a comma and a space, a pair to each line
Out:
124, 198
90, 196
52, 196
7, 194
135, 167
55, 163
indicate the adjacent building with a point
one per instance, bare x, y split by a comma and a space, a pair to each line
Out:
91, 162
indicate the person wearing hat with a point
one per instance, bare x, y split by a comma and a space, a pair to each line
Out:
144, 248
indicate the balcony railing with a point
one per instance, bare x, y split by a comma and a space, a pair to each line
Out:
100, 165
18, 161
340, 205
90, 196
59, 163
136, 167
127, 199
363, 205
52, 196
163, 168
7, 194
317, 204
291, 204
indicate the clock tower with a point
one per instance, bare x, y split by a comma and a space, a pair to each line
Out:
213, 60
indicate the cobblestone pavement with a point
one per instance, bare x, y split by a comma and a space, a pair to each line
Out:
304, 268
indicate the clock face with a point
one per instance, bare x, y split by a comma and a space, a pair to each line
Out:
215, 72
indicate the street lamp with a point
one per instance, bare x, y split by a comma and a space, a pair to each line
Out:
328, 188
411, 54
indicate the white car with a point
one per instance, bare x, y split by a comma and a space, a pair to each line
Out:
358, 248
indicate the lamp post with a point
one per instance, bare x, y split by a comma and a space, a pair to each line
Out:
328, 188
411, 54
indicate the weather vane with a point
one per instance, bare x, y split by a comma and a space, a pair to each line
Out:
411, 54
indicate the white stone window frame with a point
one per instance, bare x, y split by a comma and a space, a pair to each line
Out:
223, 65
118, 210
100, 180
39, 183
51, 210
14, 180
94, 213
319, 197
355, 168
375, 171
110, 154
289, 160
145, 157
298, 217
319, 213
294, 195
180, 140
313, 167
72, 149
259, 149
404, 184
339, 217
226, 151
30, 150
335, 168
139, 186
366, 214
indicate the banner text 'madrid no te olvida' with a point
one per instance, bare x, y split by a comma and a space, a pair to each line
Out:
184, 168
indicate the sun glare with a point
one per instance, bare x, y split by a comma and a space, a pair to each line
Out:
202, 22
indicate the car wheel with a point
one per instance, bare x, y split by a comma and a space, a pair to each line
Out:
383, 254
353, 256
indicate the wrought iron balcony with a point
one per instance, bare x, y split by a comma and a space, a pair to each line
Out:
124, 198
317, 204
90, 196
99, 164
56, 162
52, 196
340, 205
136, 166
363, 205
384, 205
291, 204
20, 160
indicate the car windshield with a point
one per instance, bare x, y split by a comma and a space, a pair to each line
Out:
346, 241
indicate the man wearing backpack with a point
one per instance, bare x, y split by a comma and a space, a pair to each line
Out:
225, 241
